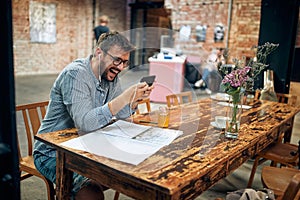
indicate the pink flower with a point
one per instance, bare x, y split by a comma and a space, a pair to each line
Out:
237, 78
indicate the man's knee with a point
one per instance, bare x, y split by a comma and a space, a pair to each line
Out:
91, 191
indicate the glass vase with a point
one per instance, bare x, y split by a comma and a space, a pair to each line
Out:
234, 113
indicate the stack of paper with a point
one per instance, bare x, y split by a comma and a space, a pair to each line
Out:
124, 141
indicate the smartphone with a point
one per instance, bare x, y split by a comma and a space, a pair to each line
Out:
148, 79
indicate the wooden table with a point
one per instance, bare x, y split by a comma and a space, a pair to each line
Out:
189, 165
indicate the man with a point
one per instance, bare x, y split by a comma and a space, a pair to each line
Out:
87, 95
213, 62
102, 28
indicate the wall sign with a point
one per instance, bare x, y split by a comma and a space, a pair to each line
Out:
201, 33
219, 33
184, 33
42, 18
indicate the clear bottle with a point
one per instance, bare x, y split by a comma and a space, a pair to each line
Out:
268, 92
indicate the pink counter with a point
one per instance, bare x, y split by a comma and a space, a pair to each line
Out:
169, 77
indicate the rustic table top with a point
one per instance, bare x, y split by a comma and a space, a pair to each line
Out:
198, 158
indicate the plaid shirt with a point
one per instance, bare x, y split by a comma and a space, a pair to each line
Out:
78, 99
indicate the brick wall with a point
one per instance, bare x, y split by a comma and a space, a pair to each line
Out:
243, 25
75, 21
74, 36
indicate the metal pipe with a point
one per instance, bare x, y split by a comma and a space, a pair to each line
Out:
229, 22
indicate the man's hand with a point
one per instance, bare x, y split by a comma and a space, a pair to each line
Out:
130, 96
141, 91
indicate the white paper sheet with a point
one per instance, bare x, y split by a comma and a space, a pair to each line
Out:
123, 128
126, 149
220, 97
230, 104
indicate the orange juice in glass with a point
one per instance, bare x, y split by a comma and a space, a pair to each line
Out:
163, 117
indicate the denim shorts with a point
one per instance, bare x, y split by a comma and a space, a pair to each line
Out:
47, 167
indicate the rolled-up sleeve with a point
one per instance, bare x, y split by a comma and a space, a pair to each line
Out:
87, 105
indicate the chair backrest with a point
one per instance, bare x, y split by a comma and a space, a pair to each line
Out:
287, 98
172, 100
257, 94
282, 98
293, 188
32, 114
179, 98
147, 104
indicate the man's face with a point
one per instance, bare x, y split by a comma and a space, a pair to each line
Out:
114, 61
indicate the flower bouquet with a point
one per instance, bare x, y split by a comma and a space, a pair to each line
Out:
239, 79
234, 85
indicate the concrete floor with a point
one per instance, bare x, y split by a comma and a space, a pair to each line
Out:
35, 88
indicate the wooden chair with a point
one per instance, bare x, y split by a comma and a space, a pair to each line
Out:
282, 98
291, 100
287, 98
283, 153
180, 98
285, 182
32, 115
147, 104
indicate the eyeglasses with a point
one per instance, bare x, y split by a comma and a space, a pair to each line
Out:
117, 61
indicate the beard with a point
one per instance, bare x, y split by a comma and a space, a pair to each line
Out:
110, 73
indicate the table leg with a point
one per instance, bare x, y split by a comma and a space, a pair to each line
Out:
63, 177
288, 133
